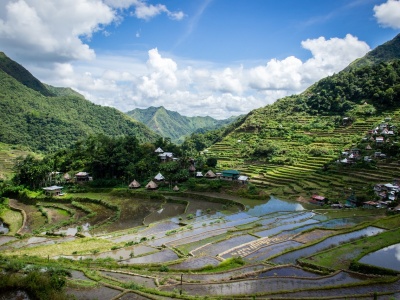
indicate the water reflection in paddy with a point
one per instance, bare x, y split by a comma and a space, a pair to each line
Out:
274, 205
388, 258
3, 228
275, 230
271, 250
291, 257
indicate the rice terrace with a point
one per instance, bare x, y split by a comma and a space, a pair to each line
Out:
249, 197
200, 245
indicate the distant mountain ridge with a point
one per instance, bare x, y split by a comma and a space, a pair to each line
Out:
173, 125
47, 118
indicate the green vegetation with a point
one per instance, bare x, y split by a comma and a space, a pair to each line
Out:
45, 121
172, 125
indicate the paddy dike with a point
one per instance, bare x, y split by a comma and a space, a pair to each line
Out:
202, 248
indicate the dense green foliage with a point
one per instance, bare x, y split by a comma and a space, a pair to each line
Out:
22, 75
172, 125
109, 160
383, 53
44, 123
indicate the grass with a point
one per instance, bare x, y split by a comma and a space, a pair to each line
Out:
340, 257
14, 220
79, 246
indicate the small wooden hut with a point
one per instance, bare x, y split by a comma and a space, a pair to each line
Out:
151, 185
210, 174
134, 184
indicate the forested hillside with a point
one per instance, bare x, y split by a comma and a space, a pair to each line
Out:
45, 123
293, 146
171, 124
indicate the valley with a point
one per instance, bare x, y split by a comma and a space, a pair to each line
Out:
298, 199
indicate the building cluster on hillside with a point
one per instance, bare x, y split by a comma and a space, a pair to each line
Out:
384, 133
387, 193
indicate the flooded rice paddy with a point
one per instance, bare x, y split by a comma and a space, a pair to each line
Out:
159, 248
388, 258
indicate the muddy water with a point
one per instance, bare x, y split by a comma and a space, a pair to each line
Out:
214, 249
145, 281
159, 257
98, 293
14, 295
196, 263
284, 227
287, 271
167, 210
242, 272
264, 285
271, 250
6, 239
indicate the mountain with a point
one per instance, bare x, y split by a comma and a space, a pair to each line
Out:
291, 148
172, 125
47, 118
22, 75
383, 53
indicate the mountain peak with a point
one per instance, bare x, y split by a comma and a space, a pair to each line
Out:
22, 75
386, 52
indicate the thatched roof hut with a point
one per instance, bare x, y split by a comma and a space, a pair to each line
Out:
175, 189
134, 184
192, 168
210, 174
151, 185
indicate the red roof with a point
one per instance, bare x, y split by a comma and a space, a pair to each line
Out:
317, 197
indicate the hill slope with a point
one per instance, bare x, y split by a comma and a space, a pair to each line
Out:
173, 125
32, 118
291, 147
383, 53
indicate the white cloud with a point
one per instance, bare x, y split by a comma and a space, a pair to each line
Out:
291, 74
55, 31
388, 14
200, 88
50, 30
147, 11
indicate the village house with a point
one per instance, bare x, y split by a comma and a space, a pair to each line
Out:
82, 177
319, 200
370, 204
243, 179
230, 174
53, 190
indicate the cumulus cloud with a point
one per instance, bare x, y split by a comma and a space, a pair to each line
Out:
202, 88
388, 14
57, 30
52, 31
328, 57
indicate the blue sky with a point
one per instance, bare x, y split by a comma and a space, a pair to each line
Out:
197, 57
